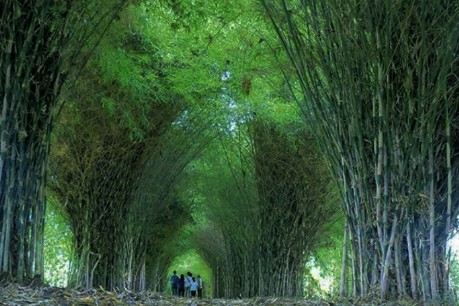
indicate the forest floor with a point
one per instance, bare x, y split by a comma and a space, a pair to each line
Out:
13, 294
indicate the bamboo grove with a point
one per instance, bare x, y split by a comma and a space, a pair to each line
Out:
379, 84
226, 127
114, 183
285, 211
35, 38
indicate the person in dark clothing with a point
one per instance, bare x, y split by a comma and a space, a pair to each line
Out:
200, 286
181, 286
174, 283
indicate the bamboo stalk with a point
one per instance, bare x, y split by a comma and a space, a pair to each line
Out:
412, 275
387, 260
432, 256
449, 188
343, 281
398, 270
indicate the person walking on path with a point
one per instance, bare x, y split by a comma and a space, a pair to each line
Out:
174, 283
193, 287
188, 280
200, 286
181, 286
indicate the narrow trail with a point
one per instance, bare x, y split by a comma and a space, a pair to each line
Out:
13, 294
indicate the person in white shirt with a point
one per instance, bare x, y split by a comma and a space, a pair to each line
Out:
193, 287
188, 280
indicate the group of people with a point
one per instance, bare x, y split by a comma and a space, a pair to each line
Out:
187, 286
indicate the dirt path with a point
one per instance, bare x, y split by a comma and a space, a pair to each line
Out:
13, 294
